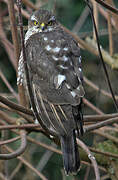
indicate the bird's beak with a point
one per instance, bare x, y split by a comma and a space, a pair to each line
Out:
42, 26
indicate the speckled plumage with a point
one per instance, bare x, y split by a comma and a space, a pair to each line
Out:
54, 65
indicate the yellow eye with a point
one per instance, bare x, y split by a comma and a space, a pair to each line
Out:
50, 23
36, 23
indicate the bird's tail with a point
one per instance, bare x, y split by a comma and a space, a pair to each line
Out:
70, 151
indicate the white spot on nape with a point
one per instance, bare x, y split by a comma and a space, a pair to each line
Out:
57, 49
45, 38
65, 49
80, 69
55, 58
73, 93
48, 48
63, 67
64, 58
52, 41
58, 80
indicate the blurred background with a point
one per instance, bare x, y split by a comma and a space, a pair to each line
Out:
74, 15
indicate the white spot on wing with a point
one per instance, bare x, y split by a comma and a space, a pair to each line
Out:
65, 49
63, 67
58, 80
80, 59
36, 121
67, 85
48, 48
57, 49
80, 69
45, 38
64, 58
52, 41
55, 58
73, 93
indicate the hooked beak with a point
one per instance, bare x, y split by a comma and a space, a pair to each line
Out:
42, 26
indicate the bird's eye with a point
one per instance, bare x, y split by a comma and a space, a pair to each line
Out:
50, 23
36, 23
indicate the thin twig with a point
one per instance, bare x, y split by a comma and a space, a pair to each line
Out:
6, 117
87, 173
20, 150
91, 157
8, 85
94, 86
108, 154
81, 20
13, 29
93, 49
110, 33
30, 4
2, 177
103, 3
106, 135
15, 106
45, 158
24, 13
15, 170
90, 165
9, 141
24, 126
102, 60
7, 44
94, 108
101, 124
103, 117
28, 164
12, 120
44, 145
95, 13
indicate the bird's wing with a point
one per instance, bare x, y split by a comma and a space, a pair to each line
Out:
56, 65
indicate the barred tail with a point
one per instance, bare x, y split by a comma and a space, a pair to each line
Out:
70, 151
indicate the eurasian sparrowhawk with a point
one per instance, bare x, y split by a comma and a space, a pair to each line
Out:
54, 66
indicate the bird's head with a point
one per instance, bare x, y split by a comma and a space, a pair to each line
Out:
42, 21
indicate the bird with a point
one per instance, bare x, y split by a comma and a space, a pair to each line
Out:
56, 78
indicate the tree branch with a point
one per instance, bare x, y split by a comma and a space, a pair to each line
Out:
18, 151
103, 3
91, 157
